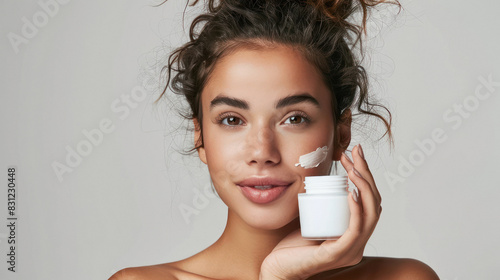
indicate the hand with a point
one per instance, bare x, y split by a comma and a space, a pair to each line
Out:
297, 258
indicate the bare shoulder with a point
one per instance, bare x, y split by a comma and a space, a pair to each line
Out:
404, 269
153, 272
166, 271
382, 268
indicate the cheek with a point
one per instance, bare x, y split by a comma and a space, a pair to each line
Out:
224, 163
224, 154
308, 143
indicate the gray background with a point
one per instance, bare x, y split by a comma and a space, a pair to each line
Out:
120, 205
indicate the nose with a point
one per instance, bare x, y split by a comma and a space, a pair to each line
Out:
262, 147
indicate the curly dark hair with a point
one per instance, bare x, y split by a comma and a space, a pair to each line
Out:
320, 30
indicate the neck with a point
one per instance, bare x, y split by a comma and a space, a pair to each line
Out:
246, 247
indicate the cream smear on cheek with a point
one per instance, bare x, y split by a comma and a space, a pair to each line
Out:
313, 159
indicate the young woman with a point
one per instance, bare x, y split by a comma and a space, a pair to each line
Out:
267, 82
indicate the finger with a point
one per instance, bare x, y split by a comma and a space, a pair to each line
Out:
368, 199
370, 204
361, 165
349, 165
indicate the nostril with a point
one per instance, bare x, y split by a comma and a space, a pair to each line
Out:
270, 162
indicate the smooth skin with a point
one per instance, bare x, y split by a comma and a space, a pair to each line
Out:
262, 110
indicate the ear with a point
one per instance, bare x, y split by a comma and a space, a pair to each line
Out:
197, 141
343, 131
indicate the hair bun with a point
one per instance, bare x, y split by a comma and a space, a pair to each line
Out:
335, 9
340, 10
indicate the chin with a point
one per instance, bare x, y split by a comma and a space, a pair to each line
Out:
268, 217
269, 223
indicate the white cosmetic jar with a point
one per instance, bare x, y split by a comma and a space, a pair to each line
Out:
323, 208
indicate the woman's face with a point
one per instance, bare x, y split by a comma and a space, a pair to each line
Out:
262, 110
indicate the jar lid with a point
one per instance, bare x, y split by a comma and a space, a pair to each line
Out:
329, 181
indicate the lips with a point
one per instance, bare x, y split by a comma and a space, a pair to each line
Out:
263, 190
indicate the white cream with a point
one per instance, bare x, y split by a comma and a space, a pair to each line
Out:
313, 159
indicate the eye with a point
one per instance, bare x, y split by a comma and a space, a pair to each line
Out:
229, 120
296, 119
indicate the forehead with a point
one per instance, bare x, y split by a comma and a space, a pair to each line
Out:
266, 73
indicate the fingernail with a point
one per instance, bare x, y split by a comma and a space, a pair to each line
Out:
354, 192
360, 150
356, 172
347, 157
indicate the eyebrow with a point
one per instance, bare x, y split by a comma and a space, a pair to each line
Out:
230, 101
295, 99
283, 102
